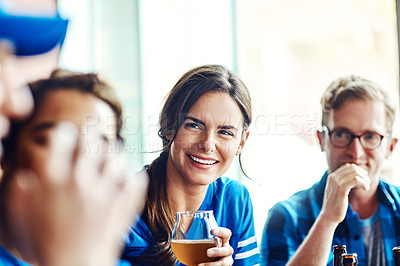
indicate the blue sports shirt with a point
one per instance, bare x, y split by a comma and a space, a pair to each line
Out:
232, 208
289, 221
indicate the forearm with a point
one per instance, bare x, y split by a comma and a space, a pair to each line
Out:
316, 247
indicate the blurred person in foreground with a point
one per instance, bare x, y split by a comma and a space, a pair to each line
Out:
53, 217
91, 106
350, 205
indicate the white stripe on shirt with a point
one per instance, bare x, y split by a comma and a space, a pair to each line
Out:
247, 241
247, 254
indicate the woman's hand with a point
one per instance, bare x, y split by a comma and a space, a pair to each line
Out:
224, 252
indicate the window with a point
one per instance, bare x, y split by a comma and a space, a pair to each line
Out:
286, 51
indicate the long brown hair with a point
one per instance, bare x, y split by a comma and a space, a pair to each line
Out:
189, 88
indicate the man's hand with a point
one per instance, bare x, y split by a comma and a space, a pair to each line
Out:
338, 187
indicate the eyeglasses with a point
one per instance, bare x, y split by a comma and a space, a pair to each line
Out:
341, 138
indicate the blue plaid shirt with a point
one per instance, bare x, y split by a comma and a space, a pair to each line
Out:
289, 221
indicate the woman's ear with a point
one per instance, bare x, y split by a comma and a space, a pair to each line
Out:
242, 142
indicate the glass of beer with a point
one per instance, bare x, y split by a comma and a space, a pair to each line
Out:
192, 236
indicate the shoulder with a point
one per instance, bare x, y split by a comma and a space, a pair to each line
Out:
139, 236
389, 186
138, 241
289, 221
303, 205
389, 192
228, 198
225, 185
295, 201
230, 192
231, 199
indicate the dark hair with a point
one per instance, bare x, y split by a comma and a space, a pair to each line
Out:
355, 87
68, 80
189, 88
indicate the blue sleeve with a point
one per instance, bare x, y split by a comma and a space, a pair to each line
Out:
244, 242
279, 240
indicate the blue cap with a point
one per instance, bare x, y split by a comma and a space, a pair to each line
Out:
32, 35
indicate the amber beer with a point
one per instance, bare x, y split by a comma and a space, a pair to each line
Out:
193, 252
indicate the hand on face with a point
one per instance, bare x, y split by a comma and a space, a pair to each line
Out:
77, 212
224, 252
338, 186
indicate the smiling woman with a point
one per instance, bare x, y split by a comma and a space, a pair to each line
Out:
203, 125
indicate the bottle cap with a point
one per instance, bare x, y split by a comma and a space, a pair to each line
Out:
349, 257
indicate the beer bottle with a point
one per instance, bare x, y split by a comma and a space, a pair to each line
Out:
349, 259
396, 255
338, 250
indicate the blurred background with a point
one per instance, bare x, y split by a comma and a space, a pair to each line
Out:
286, 51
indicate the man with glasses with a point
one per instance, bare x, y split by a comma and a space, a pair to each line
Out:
350, 205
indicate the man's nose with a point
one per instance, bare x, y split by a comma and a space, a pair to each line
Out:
355, 149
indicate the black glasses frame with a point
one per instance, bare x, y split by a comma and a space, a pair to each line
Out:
352, 137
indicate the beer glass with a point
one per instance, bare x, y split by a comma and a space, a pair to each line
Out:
192, 236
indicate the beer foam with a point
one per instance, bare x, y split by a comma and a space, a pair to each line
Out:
196, 241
